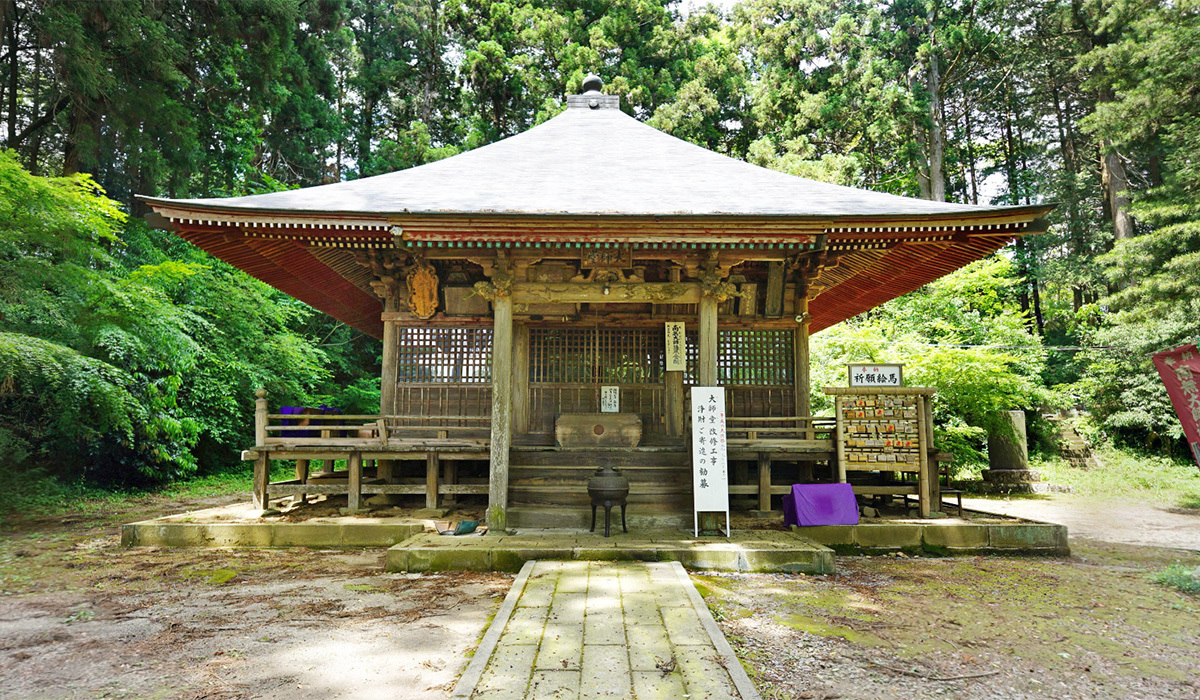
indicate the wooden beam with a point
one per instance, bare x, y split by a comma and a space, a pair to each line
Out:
502, 347
617, 292
707, 364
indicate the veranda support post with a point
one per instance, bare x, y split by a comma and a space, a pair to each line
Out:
502, 333
262, 466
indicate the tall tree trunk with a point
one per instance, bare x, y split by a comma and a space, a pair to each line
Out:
1116, 186
971, 155
9, 19
937, 132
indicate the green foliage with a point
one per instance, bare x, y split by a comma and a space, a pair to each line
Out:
125, 355
971, 307
1182, 578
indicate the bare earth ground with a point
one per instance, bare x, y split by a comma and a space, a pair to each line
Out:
81, 617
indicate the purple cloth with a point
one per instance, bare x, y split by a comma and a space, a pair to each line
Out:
820, 504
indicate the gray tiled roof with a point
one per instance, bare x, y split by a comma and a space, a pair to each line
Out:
587, 162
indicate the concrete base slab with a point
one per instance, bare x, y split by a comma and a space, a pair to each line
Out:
243, 526
761, 551
944, 536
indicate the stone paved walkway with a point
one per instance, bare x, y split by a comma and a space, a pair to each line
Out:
579, 629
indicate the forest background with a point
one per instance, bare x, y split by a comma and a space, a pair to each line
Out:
129, 358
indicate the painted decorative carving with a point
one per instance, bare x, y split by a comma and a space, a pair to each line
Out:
423, 290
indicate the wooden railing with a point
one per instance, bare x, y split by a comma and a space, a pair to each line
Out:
779, 428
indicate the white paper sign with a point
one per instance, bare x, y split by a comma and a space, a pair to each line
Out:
876, 375
710, 465
610, 399
676, 346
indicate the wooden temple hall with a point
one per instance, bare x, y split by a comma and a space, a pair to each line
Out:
511, 283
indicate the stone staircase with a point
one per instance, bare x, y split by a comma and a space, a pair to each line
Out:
548, 488
1072, 446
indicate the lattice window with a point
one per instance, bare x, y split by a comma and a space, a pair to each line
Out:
746, 358
451, 355
595, 356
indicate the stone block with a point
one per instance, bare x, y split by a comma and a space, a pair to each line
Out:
562, 646
827, 534
956, 536
649, 645
806, 561
888, 536
684, 627
1039, 537
554, 685
653, 685
605, 672
396, 560
705, 559
703, 673
455, 559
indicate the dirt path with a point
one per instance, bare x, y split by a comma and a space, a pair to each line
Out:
82, 617
1143, 523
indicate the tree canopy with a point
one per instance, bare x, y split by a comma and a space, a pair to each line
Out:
130, 347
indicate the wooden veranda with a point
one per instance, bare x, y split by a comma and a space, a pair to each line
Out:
511, 283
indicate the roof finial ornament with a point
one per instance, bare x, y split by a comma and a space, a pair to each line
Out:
593, 83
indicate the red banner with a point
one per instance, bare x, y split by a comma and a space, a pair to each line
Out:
1180, 372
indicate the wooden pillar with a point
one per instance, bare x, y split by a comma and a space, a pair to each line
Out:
262, 465
262, 476
502, 347
924, 487
354, 497
675, 415
764, 482
839, 439
431, 480
449, 476
706, 373
385, 468
260, 418
520, 379
302, 477
800, 355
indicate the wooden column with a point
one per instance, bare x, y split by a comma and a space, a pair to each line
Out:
924, 489
673, 388
502, 350
302, 477
706, 373
262, 465
800, 355
431, 480
385, 468
839, 440
354, 497
764, 482
520, 379
262, 475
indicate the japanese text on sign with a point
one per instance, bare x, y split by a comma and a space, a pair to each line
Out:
876, 375
710, 468
610, 399
676, 347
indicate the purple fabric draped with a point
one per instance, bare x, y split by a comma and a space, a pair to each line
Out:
820, 504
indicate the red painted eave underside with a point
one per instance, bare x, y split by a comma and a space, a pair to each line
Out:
289, 267
903, 269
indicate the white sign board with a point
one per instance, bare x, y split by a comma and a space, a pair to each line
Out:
710, 465
610, 399
876, 375
676, 347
